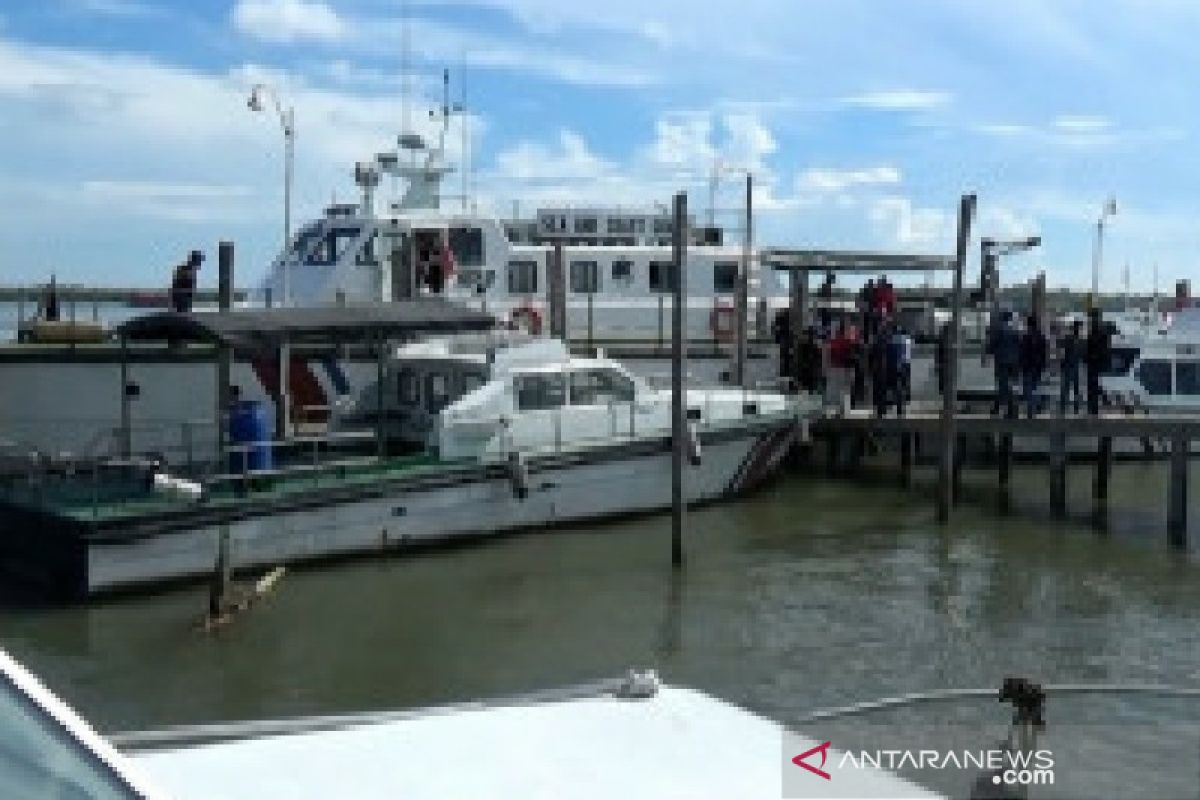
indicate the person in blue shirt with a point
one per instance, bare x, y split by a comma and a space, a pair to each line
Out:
897, 366
1070, 357
1005, 347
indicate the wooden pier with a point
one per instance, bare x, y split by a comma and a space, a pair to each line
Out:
846, 437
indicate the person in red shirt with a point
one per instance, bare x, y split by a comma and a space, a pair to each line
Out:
841, 368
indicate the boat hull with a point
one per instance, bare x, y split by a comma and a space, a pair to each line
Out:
429, 507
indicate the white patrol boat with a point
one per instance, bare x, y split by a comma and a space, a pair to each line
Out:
466, 435
1156, 368
485, 396
627, 738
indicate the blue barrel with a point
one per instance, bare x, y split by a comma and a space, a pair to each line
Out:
249, 428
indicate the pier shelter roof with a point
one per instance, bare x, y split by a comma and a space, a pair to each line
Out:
852, 261
249, 328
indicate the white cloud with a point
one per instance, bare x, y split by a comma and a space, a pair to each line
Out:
826, 179
282, 21
569, 158
899, 100
683, 141
181, 202
1081, 124
905, 225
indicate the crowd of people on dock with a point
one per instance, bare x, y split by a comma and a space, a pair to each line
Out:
856, 361
865, 359
1020, 355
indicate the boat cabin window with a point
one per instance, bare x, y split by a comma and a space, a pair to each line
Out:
585, 225
39, 758
331, 245
599, 387
662, 275
1155, 375
539, 391
522, 277
725, 275
478, 280
585, 277
467, 246
408, 390
366, 254
622, 272
1187, 377
437, 392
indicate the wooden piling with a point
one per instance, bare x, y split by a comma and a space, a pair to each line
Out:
946, 477
218, 588
832, 453
126, 432
224, 352
380, 374
1104, 459
956, 472
556, 293
1177, 494
678, 371
741, 305
1004, 461
1058, 474
283, 399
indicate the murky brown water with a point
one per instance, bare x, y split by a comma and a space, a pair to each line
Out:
811, 593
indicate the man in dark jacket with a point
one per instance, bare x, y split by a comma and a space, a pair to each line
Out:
1005, 348
1097, 354
1033, 362
1070, 356
183, 282
808, 358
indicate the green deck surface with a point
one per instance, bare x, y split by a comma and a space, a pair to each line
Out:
82, 501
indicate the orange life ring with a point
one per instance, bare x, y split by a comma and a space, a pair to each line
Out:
527, 318
721, 322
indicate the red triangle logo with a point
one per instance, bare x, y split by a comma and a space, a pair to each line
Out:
800, 762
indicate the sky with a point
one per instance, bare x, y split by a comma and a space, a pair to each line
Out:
127, 139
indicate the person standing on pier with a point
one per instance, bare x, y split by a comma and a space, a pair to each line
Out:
898, 350
880, 370
1005, 349
183, 282
808, 358
838, 386
50, 303
1033, 363
1069, 358
1098, 353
